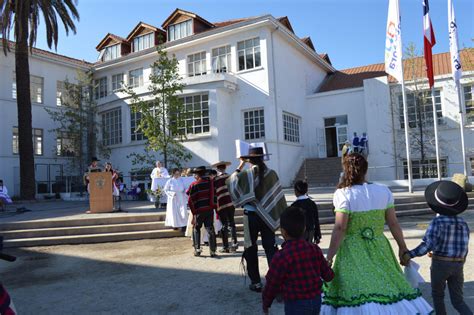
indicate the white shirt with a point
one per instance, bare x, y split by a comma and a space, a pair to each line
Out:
159, 173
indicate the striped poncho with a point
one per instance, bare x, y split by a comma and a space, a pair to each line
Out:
267, 197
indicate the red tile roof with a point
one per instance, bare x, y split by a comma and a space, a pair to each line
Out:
413, 69
41, 52
230, 22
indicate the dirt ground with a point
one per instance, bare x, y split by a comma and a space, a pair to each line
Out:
157, 277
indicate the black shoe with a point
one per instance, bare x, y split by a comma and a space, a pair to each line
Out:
256, 287
206, 243
213, 254
197, 252
233, 247
224, 250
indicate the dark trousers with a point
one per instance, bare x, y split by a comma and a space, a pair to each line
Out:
206, 218
228, 226
255, 225
303, 307
453, 274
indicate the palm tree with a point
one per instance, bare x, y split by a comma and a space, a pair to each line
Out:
23, 17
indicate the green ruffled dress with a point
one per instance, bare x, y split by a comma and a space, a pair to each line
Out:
368, 278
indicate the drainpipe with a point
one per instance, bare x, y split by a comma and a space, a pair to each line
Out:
275, 101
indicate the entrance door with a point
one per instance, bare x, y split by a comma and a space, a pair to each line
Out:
341, 138
331, 142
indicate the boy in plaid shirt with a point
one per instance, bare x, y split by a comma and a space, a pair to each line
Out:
448, 238
298, 270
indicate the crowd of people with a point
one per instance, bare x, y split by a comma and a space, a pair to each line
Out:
360, 274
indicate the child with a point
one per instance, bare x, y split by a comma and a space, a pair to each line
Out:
313, 230
201, 202
296, 270
448, 238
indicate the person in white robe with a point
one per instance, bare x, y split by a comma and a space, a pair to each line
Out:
158, 172
177, 205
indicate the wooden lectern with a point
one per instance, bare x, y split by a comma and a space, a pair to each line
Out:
100, 192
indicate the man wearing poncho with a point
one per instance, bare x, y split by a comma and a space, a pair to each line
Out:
259, 192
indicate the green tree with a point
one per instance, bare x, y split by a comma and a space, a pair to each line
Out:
163, 114
23, 18
77, 125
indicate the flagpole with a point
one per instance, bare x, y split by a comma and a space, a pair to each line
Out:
435, 124
407, 137
461, 127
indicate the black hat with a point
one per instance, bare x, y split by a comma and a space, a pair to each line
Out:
199, 170
446, 198
95, 159
254, 152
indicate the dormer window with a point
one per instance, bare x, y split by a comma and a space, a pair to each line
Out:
111, 52
143, 42
180, 30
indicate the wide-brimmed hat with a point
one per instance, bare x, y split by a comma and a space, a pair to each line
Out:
199, 170
95, 159
446, 198
254, 152
225, 163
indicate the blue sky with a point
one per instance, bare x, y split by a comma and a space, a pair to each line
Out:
352, 32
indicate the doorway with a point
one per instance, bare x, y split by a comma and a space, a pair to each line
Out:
336, 134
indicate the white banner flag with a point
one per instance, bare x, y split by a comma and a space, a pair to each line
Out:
456, 67
393, 42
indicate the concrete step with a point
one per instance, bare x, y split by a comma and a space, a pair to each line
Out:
96, 238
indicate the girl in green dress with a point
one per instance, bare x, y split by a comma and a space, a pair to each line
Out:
368, 278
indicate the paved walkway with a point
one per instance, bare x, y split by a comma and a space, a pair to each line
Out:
160, 277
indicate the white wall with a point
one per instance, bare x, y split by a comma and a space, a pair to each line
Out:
51, 70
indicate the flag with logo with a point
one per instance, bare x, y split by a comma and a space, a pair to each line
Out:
456, 66
428, 42
393, 42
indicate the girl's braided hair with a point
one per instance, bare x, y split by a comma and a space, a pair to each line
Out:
355, 168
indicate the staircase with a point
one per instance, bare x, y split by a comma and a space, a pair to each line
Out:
320, 172
124, 227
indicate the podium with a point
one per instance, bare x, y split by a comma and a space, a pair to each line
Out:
100, 192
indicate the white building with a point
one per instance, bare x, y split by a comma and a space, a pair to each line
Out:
250, 79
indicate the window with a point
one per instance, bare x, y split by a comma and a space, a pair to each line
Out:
221, 59
197, 64
254, 124
471, 160
196, 115
180, 30
420, 109
36, 88
469, 103
117, 82
143, 42
135, 118
112, 126
248, 52
135, 78
65, 145
100, 88
62, 94
427, 169
37, 141
291, 128
111, 52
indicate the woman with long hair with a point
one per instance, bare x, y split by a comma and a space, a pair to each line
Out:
258, 190
368, 278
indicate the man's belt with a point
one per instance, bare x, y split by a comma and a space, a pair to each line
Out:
452, 259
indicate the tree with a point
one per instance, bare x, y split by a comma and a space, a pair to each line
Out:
420, 111
162, 114
77, 126
23, 18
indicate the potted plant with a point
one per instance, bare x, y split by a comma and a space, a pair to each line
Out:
154, 195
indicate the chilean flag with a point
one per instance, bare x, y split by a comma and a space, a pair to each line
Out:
429, 41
